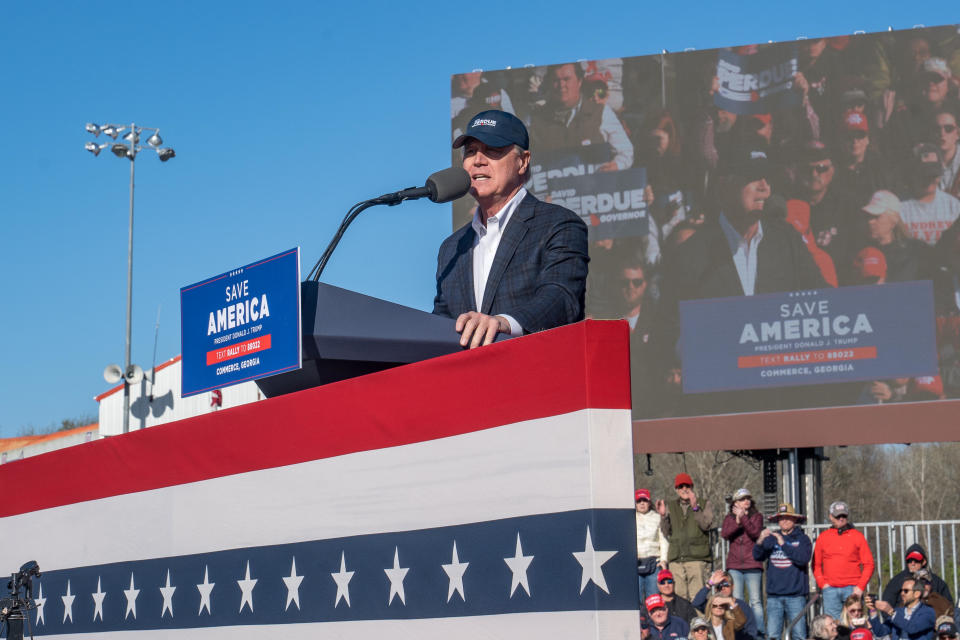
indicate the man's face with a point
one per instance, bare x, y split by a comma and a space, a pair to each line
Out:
786, 524
934, 87
881, 228
567, 85
838, 521
946, 133
919, 51
817, 175
813, 49
659, 616
914, 565
855, 143
684, 491
908, 594
666, 587
753, 196
467, 82
725, 120
495, 172
633, 284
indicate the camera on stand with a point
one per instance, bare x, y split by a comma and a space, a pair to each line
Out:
14, 607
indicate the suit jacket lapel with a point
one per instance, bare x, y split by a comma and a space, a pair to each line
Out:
512, 236
463, 271
722, 260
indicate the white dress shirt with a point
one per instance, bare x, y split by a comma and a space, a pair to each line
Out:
744, 254
487, 239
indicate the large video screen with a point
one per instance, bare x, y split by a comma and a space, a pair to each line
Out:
777, 222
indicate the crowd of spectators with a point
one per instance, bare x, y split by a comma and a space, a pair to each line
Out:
915, 604
856, 183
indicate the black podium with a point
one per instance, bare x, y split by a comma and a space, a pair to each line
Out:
347, 334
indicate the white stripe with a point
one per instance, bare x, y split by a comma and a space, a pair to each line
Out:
565, 625
573, 461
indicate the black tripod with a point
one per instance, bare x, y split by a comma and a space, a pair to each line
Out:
14, 608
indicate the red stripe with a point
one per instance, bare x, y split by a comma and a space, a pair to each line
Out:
807, 357
237, 350
585, 365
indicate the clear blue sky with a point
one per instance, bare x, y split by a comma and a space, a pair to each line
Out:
283, 115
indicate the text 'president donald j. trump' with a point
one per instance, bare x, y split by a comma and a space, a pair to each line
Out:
521, 264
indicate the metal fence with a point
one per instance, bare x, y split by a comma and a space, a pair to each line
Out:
888, 542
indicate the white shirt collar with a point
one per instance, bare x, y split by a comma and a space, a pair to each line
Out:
501, 217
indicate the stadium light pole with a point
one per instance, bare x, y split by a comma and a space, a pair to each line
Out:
131, 373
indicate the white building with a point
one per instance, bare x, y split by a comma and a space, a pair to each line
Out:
160, 401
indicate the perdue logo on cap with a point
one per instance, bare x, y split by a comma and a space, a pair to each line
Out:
483, 122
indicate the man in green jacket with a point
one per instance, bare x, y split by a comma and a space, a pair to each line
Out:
686, 524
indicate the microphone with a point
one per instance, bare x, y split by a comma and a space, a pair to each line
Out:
443, 186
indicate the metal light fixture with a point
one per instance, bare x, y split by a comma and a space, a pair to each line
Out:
94, 148
129, 150
112, 130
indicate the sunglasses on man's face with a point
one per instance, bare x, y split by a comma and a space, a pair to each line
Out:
722, 585
905, 590
684, 486
667, 581
819, 169
946, 128
636, 283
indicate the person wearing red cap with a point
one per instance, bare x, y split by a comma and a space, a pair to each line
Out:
686, 523
651, 544
676, 605
664, 626
860, 170
915, 559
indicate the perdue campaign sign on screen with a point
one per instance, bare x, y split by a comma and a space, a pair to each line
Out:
808, 337
241, 325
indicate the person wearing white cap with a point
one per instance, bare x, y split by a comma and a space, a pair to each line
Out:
842, 561
904, 256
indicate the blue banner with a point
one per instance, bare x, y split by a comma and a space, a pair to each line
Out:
757, 83
808, 337
610, 203
241, 325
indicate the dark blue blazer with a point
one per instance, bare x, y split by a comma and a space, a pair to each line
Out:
538, 275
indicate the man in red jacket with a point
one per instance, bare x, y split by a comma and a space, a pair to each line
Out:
842, 562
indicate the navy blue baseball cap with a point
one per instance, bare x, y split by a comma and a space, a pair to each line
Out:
495, 129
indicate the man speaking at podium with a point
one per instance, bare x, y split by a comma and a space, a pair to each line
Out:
521, 264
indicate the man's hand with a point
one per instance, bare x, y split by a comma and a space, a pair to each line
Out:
857, 591
693, 498
478, 329
766, 533
778, 537
661, 508
884, 607
716, 578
